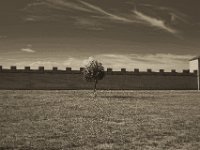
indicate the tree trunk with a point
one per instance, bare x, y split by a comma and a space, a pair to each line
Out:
95, 85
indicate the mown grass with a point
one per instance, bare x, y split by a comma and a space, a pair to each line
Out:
113, 120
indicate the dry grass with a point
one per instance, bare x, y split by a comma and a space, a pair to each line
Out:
114, 120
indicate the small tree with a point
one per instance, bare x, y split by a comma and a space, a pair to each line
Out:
93, 72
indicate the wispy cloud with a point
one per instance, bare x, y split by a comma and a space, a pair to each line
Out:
175, 17
57, 4
47, 64
110, 15
93, 15
175, 14
154, 22
71, 5
41, 10
28, 50
88, 23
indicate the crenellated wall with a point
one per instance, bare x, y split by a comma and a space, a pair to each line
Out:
55, 79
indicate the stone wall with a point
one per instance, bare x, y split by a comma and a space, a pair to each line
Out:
41, 79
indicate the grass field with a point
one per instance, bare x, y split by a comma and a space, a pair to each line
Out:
114, 120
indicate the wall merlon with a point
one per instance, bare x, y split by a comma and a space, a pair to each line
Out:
27, 68
173, 71
13, 68
81, 69
195, 71
55, 69
149, 70
161, 70
1, 68
186, 71
109, 70
41, 68
123, 70
68, 69
136, 70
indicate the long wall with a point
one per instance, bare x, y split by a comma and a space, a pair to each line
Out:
41, 79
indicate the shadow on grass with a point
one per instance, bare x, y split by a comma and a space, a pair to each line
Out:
116, 96
121, 97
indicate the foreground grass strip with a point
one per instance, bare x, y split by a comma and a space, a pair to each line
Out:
113, 120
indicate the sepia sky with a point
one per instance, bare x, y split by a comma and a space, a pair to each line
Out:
120, 33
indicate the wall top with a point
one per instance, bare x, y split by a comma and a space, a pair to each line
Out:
68, 70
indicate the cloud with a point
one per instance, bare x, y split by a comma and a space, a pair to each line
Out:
48, 63
41, 10
71, 5
58, 4
28, 50
110, 15
92, 19
174, 14
145, 61
43, 63
115, 61
154, 22
32, 18
176, 17
89, 24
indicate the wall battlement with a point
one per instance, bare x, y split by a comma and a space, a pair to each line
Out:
68, 70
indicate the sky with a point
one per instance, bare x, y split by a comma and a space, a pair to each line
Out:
156, 34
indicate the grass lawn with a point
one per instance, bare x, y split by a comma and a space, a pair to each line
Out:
153, 120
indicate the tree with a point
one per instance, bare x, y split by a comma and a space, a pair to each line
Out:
93, 72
